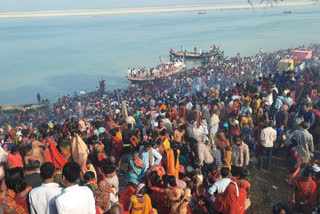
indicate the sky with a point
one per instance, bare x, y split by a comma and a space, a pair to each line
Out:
36, 5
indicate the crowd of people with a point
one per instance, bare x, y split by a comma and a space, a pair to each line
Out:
180, 144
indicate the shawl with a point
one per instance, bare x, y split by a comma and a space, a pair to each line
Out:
11, 202
102, 195
57, 159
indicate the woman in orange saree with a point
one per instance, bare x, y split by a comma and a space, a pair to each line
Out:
173, 161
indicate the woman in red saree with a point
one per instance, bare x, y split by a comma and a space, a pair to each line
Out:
304, 191
227, 202
159, 199
244, 190
117, 143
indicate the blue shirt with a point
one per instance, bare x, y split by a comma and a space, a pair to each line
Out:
156, 157
278, 103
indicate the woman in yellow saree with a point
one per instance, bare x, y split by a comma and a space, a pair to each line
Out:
140, 202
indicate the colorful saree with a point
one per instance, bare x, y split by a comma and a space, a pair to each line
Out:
65, 149
135, 174
15, 203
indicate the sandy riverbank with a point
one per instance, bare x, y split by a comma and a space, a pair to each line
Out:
183, 8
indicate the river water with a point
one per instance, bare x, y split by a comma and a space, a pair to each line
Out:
59, 55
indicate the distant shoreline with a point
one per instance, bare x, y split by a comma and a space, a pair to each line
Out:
180, 8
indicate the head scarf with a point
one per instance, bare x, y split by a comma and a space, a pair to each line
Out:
102, 195
139, 187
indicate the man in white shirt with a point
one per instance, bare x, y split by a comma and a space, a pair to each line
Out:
221, 185
42, 199
75, 198
267, 137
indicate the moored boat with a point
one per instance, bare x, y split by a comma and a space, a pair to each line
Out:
162, 70
193, 55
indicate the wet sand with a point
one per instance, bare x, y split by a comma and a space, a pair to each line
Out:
183, 8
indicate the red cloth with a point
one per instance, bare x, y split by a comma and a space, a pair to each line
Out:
125, 196
227, 202
57, 159
47, 155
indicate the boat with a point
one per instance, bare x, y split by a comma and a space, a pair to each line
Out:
163, 70
193, 55
201, 12
12, 109
287, 11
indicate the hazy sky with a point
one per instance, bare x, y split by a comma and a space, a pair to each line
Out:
34, 5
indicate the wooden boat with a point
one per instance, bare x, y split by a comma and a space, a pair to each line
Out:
287, 11
158, 72
201, 12
192, 55
7, 109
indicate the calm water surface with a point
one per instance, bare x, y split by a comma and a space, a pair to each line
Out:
60, 55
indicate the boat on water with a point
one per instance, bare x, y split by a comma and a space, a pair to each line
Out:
201, 12
193, 55
7, 109
162, 70
287, 11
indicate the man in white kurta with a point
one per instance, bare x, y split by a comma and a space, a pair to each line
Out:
43, 198
75, 198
